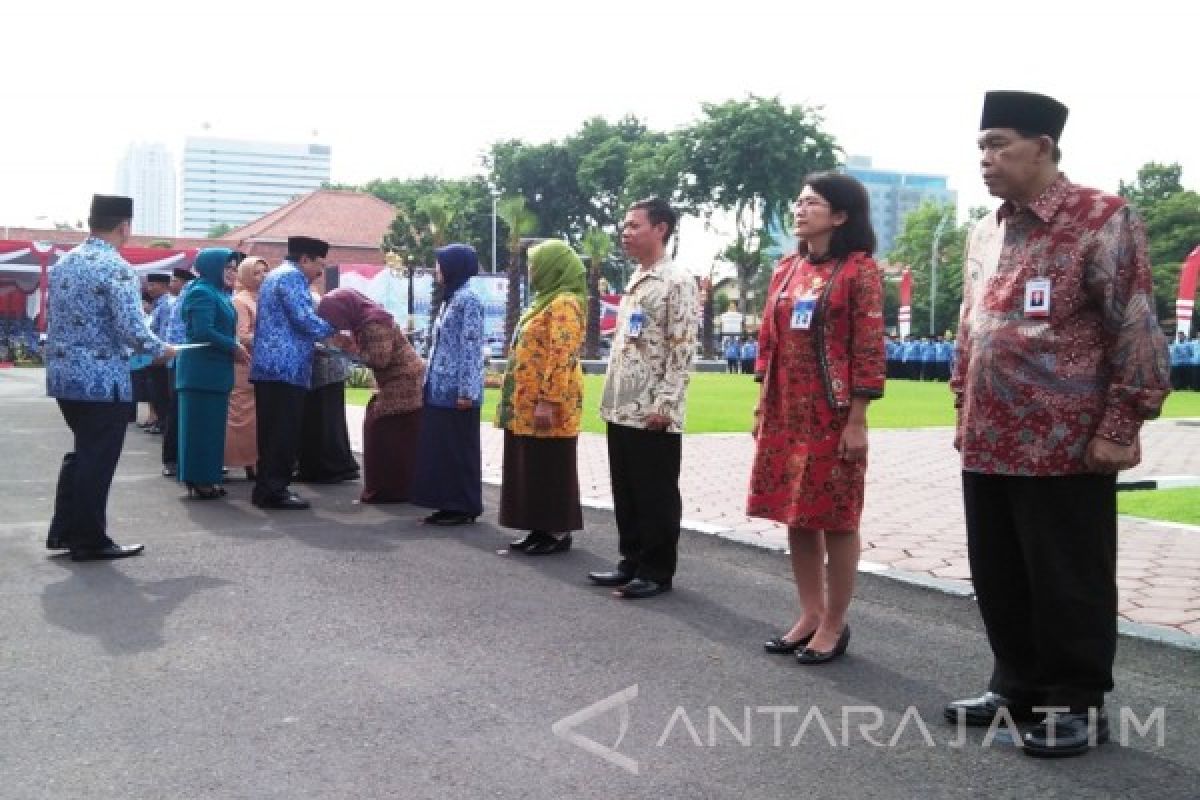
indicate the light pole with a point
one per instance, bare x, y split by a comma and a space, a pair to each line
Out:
937, 235
495, 193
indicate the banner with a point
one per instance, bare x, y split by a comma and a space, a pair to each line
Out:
390, 289
1187, 293
904, 318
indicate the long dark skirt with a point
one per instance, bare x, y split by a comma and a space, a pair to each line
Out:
325, 440
540, 490
202, 435
449, 467
389, 453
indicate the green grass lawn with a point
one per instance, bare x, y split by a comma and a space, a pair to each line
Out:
1173, 505
719, 403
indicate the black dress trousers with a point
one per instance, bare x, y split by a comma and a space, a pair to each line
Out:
1043, 554
279, 408
644, 467
86, 475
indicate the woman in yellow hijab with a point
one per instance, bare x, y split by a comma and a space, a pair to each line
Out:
540, 405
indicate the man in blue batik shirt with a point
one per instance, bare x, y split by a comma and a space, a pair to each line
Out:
94, 309
286, 331
156, 374
174, 332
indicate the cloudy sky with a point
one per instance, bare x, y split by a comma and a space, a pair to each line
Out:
400, 92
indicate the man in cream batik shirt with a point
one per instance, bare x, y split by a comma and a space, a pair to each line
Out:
643, 403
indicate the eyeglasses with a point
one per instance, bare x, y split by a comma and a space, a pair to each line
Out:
811, 202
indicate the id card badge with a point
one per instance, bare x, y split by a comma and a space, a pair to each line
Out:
802, 313
1037, 298
637, 321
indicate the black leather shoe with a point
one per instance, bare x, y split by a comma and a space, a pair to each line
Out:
56, 543
980, 712
448, 519
613, 578
809, 656
529, 540
1065, 735
113, 551
170, 471
781, 646
638, 588
549, 546
288, 502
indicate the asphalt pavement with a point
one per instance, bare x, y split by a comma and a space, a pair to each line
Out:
351, 652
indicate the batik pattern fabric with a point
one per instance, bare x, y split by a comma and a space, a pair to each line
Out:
456, 359
94, 311
649, 373
399, 371
286, 329
160, 316
543, 365
1032, 391
810, 377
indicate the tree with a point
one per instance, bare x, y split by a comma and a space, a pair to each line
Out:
1155, 182
1172, 217
458, 210
521, 222
914, 248
748, 157
219, 230
587, 179
596, 246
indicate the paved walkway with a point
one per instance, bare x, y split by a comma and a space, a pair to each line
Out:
913, 525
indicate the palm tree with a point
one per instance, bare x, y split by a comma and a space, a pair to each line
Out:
596, 246
521, 222
439, 213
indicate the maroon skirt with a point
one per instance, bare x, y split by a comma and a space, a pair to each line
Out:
540, 489
389, 452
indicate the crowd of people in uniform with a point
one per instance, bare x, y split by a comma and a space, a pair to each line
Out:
1185, 362
1041, 439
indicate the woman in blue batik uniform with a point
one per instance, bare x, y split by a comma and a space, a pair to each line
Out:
449, 464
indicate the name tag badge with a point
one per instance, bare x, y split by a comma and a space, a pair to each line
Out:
1037, 298
802, 313
637, 321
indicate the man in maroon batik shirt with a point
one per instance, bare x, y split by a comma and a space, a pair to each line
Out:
1060, 360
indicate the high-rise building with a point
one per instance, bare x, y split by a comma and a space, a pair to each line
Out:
147, 174
232, 182
894, 195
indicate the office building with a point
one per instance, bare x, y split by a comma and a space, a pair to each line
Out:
231, 182
894, 195
147, 174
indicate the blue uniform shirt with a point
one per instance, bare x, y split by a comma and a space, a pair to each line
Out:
1180, 353
160, 317
94, 310
455, 362
286, 328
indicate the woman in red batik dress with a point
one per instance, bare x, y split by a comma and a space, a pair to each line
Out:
821, 360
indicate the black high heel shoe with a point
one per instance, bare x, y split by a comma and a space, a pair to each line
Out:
529, 540
781, 646
449, 518
549, 545
205, 491
810, 656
